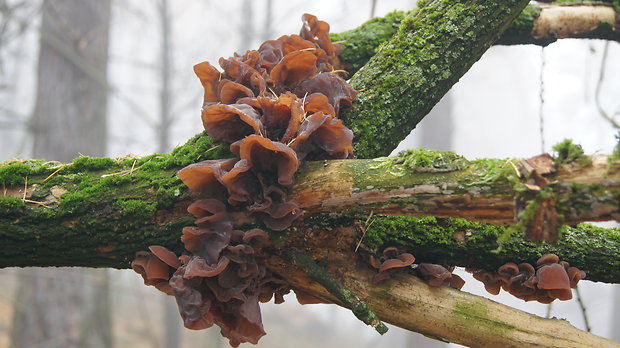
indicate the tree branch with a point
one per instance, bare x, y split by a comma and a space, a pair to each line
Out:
583, 20
99, 212
411, 72
441, 313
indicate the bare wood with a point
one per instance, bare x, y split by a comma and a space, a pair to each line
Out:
337, 186
570, 21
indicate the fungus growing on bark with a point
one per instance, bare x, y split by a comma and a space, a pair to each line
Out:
337, 91
551, 279
267, 157
222, 281
205, 177
322, 134
437, 275
153, 270
230, 123
390, 260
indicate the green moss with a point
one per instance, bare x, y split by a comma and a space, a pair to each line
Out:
103, 194
568, 152
199, 148
423, 161
414, 69
493, 171
85, 163
138, 209
360, 44
11, 206
475, 312
522, 25
15, 172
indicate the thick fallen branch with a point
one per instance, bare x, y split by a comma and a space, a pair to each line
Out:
536, 25
485, 190
99, 212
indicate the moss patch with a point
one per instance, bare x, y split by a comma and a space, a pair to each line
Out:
361, 43
101, 195
568, 152
423, 161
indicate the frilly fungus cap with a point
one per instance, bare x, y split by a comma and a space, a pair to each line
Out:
221, 282
551, 279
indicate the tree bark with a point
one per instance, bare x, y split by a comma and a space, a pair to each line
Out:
408, 75
99, 212
69, 118
361, 43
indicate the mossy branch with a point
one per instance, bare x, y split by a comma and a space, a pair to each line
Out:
363, 42
98, 212
432, 48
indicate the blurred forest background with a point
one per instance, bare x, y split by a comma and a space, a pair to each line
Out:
112, 78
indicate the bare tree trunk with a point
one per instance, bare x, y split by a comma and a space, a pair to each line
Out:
171, 320
69, 119
165, 73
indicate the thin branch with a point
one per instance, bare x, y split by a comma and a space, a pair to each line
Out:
599, 84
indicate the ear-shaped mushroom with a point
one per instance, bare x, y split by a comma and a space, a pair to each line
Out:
492, 281
209, 78
554, 279
230, 123
317, 31
281, 215
316, 102
167, 256
333, 86
244, 74
294, 67
205, 242
245, 324
402, 260
193, 307
575, 275
229, 92
271, 52
283, 117
325, 132
291, 43
198, 267
153, 270
266, 156
435, 275
208, 212
547, 259
456, 282
242, 183
256, 237
304, 298
204, 177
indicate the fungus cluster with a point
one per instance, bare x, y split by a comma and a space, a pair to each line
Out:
276, 106
434, 275
551, 279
